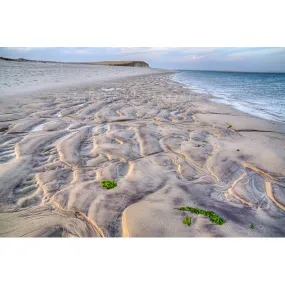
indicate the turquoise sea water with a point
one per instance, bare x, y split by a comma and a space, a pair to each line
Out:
259, 94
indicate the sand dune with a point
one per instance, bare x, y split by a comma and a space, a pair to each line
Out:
164, 148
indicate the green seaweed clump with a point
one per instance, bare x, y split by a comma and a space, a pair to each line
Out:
187, 221
251, 226
212, 216
47, 150
109, 184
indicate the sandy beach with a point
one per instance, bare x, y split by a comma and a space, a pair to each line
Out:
165, 147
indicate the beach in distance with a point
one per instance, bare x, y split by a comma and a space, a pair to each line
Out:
101, 150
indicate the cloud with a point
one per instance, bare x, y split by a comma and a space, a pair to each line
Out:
197, 57
129, 50
168, 50
78, 51
250, 53
21, 49
197, 51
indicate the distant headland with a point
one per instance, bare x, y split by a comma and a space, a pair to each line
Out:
134, 63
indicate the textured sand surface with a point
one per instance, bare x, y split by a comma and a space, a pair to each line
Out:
163, 146
26, 77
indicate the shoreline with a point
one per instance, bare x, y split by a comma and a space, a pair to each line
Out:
216, 99
254, 104
164, 149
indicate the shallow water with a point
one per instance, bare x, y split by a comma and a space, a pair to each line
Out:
259, 94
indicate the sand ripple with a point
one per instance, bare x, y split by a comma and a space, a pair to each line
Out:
164, 148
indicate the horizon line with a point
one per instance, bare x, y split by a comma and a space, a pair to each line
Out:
241, 71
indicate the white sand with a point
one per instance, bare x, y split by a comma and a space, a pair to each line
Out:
164, 148
25, 77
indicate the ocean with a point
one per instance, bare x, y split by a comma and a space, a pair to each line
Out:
259, 94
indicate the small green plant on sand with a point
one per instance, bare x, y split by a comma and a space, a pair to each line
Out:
187, 221
204, 141
47, 150
251, 226
109, 184
229, 126
214, 218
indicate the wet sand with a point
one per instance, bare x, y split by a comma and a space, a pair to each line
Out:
165, 147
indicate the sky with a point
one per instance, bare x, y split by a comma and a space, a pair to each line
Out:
189, 58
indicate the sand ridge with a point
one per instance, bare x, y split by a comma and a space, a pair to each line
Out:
165, 147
